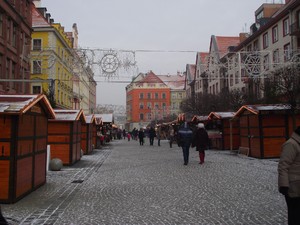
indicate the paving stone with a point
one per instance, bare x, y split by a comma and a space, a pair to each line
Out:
125, 183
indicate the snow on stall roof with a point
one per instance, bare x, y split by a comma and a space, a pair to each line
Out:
89, 118
15, 103
224, 115
269, 107
106, 118
62, 114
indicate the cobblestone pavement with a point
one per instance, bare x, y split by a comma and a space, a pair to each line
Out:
125, 183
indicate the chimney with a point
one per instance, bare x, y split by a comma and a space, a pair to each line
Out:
243, 37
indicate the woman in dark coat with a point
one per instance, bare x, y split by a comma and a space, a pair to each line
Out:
200, 141
141, 135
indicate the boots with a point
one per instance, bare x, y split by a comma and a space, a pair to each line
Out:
201, 156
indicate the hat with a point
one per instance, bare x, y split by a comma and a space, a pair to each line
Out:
200, 125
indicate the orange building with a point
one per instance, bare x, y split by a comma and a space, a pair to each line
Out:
147, 99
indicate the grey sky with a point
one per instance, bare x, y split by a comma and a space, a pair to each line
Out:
163, 25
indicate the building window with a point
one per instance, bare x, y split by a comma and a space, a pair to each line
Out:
286, 27
180, 96
37, 44
287, 52
156, 95
173, 95
275, 34
8, 26
141, 116
36, 89
149, 116
265, 40
164, 95
141, 95
275, 58
164, 106
141, 106
255, 45
149, 95
149, 105
37, 69
266, 62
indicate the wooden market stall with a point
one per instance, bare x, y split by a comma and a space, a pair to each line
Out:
23, 144
264, 128
226, 130
87, 130
64, 135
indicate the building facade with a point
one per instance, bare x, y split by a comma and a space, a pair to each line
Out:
15, 36
147, 100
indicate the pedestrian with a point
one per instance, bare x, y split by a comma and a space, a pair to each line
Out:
185, 136
141, 136
2, 219
128, 136
200, 141
158, 135
289, 176
124, 133
151, 135
171, 135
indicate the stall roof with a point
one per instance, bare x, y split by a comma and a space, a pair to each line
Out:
255, 109
221, 115
105, 118
69, 115
20, 104
90, 118
199, 118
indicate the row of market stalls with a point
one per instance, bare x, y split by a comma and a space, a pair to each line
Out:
29, 125
256, 130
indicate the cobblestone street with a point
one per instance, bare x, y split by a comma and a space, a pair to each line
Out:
125, 183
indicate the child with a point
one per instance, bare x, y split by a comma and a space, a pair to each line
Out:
128, 136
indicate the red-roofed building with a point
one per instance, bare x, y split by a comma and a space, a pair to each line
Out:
147, 99
15, 37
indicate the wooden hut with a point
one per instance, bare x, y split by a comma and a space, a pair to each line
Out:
227, 130
87, 130
64, 135
263, 129
23, 144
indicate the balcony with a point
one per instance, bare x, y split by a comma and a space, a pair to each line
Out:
295, 29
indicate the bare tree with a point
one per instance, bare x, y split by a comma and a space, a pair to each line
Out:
283, 86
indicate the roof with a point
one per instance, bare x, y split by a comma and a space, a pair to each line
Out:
174, 82
199, 118
90, 118
38, 20
221, 115
223, 42
105, 118
256, 109
150, 78
20, 104
69, 115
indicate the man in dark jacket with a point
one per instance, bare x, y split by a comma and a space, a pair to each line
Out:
185, 136
201, 141
289, 176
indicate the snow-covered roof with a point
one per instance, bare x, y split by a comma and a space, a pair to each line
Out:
106, 118
22, 103
221, 115
68, 115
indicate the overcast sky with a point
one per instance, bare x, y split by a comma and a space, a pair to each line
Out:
164, 34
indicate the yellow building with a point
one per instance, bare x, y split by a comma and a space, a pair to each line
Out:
52, 60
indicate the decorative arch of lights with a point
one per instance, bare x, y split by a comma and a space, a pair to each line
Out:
110, 63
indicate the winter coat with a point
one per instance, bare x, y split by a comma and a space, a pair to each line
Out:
200, 139
141, 134
289, 166
185, 136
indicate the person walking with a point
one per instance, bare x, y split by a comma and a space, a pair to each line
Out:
185, 136
289, 176
171, 135
141, 136
151, 135
158, 135
200, 141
